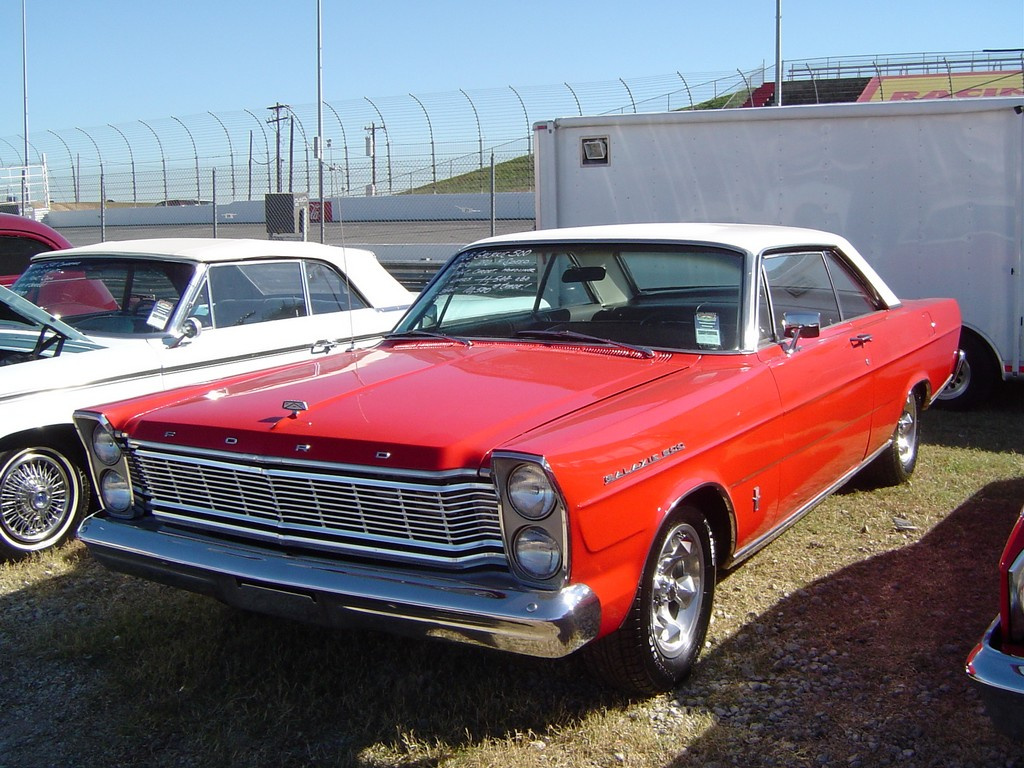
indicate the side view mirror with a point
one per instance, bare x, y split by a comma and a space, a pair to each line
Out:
190, 329
800, 325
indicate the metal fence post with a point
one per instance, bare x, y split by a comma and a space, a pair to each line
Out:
103, 207
213, 198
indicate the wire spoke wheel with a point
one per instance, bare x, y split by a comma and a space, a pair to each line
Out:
40, 491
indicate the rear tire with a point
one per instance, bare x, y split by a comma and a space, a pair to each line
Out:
895, 465
43, 497
977, 377
661, 637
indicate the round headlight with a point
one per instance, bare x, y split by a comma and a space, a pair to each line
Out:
104, 446
537, 553
115, 492
530, 492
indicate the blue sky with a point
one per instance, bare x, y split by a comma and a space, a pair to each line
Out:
93, 62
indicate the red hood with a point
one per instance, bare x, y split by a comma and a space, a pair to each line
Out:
411, 406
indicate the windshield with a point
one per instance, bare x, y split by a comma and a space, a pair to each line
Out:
672, 297
107, 295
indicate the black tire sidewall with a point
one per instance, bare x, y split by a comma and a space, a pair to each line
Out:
663, 671
906, 468
983, 376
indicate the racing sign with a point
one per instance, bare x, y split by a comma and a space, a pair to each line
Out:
957, 85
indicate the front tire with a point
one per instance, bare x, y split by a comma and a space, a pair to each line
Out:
661, 637
43, 496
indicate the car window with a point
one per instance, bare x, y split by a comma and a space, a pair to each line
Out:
200, 308
818, 282
765, 324
854, 297
107, 295
243, 294
330, 291
674, 297
799, 282
17, 250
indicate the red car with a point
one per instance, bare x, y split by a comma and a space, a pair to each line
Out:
561, 444
20, 240
997, 662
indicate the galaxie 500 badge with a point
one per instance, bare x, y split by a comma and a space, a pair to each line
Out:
644, 462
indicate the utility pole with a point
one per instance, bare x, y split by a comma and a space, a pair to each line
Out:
276, 121
371, 152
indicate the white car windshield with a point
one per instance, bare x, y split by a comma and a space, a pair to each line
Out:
107, 295
671, 297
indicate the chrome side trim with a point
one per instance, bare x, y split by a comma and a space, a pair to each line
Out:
502, 615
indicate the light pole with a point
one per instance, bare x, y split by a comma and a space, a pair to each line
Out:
778, 53
24, 87
318, 152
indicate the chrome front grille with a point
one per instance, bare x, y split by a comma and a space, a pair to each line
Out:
437, 520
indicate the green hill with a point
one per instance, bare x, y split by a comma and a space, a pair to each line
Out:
515, 175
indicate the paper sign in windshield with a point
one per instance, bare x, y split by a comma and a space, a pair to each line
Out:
497, 273
160, 314
708, 331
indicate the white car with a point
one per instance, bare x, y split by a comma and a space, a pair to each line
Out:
156, 314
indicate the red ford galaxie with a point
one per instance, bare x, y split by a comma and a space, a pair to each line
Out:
563, 442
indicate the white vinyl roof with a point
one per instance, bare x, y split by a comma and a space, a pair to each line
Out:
361, 266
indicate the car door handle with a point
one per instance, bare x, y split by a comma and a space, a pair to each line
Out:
860, 339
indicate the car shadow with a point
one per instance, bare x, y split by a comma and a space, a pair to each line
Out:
866, 666
997, 425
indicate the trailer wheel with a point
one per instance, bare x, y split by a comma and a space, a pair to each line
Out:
977, 378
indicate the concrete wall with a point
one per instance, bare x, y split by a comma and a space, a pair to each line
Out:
458, 207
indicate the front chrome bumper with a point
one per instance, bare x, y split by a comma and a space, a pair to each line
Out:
1000, 678
325, 591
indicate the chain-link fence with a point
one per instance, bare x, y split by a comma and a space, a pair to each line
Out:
428, 143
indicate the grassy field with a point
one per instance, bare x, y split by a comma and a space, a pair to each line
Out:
842, 643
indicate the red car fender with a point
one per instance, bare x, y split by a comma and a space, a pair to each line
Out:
1014, 546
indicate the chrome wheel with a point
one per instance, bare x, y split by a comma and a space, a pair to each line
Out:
961, 383
906, 432
40, 491
976, 378
895, 464
658, 642
677, 591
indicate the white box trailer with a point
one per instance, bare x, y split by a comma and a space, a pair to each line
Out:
931, 192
